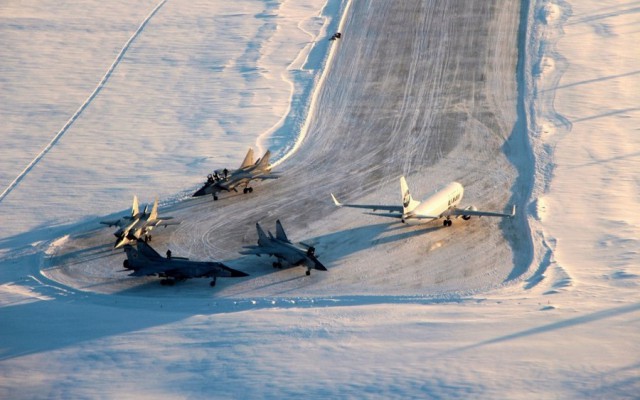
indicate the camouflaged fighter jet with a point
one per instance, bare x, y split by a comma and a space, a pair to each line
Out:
227, 181
284, 251
138, 225
143, 260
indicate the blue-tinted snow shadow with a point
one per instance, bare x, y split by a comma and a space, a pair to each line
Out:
43, 326
47, 232
554, 326
519, 152
72, 316
282, 140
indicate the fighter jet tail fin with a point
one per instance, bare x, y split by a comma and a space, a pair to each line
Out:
248, 159
408, 203
154, 211
261, 235
135, 208
146, 251
280, 234
131, 252
263, 163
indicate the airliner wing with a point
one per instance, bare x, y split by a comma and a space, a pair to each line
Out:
459, 211
388, 215
374, 207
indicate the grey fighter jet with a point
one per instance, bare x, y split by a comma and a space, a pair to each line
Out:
143, 260
227, 181
284, 251
139, 224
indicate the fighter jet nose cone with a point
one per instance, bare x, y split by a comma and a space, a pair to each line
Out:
199, 192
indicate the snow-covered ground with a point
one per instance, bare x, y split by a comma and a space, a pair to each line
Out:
146, 98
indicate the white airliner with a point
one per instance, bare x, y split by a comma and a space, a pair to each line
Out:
442, 204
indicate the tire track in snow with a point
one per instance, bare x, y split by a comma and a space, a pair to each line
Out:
82, 107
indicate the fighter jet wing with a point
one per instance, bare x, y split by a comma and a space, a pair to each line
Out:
227, 185
270, 176
374, 207
221, 270
164, 222
253, 250
114, 222
160, 222
147, 271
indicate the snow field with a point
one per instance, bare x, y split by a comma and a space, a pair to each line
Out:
462, 315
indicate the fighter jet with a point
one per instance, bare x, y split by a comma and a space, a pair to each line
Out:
125, 221
143, 260
138, 225
284, 251
226, 180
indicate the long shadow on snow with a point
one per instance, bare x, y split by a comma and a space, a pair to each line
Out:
567, 323
57, 316
50, 325
518, 151
47, 232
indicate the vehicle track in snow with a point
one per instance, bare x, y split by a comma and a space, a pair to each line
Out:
83, 106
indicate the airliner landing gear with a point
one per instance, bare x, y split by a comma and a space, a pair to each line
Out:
308, 272
447, 222
277, 264
167, 282
215, 197
213, 282
247, 190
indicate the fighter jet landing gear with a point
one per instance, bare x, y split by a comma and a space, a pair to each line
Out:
147, 238
447, 222
247, 190
213, 282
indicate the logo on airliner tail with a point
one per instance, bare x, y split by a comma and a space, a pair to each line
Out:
406, 199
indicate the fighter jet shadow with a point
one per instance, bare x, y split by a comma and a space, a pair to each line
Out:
46, 232
82, 255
